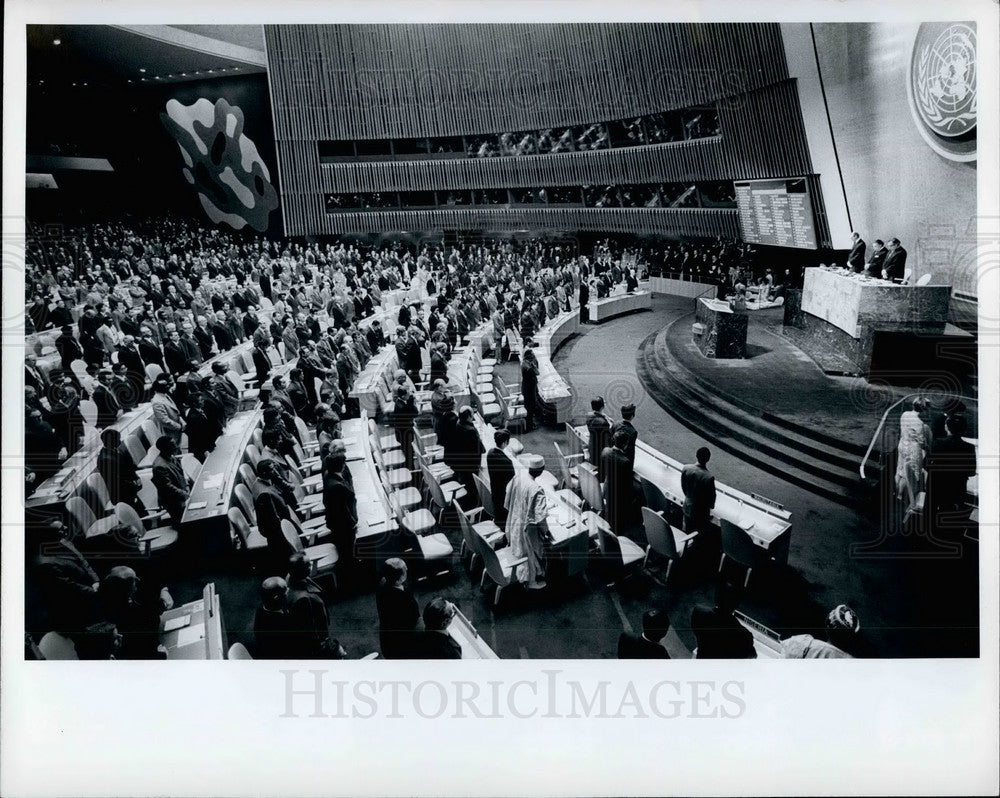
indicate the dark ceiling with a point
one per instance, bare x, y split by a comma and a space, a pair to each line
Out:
92, 55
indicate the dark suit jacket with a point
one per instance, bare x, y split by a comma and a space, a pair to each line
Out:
464, 449
204, 338
501, 471
856, 258
950, 464
341, 508
175, 357
699, 492
107, 406
133, 362
633, 436
877, 262
272, 633
600, 437
436, 645
271, 510
617, 487
398, 619
308, 619
895, 263
150, 353
118, 471
634, 646
171, 486
720, 635
262, 363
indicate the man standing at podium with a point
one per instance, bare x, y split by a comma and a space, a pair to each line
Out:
856, 258
895, 261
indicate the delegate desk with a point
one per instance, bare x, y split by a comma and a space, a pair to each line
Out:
367, 388
553, 391
211, 496
618, 305
194, 630
768, 525
565, 521
465, 634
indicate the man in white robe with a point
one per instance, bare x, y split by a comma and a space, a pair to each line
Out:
527, 529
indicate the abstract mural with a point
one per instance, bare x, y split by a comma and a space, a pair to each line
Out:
221, 163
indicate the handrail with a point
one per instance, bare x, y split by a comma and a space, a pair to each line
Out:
885, 415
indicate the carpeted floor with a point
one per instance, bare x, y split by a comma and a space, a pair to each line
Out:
910, 605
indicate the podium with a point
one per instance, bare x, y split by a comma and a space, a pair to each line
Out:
718, 331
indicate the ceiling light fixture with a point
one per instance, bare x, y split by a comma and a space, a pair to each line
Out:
142, 69
57, 42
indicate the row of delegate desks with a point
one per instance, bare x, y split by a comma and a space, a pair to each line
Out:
211, 496
602, 310
554, 392
768, 525
372, 526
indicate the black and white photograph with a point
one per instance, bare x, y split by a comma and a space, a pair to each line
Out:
540, 337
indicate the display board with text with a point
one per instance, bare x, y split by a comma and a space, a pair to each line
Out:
776, 212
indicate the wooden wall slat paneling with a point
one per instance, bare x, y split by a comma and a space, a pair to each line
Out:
396, 81
407, 81
662, 221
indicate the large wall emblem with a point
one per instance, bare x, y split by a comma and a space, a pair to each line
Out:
223, 165
942, 88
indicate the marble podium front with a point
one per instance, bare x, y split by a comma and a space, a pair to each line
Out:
718, 331
844, 315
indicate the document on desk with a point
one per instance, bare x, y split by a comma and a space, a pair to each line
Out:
190, 634
213, 481
177, 623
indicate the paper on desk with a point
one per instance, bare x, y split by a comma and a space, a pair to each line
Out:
177, 623
191, 634
212, 481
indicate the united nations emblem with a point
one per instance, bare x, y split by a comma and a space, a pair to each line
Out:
942, 88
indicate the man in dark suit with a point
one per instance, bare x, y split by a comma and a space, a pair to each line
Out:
877, 261
172, 485
108, 406
500, 469
341, 506
655, 624
272, 631
271, 509
398, 612
699, 493
174, 354
626, 426
66, 582
68, 347
618, 492
599, 427
949, 465
856, 257
261, 361
203, 337
149, 350
895, 261
719, 634
307, 614
123, 388
33, 376
463, 453
117, 468
130, 357
435, 642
